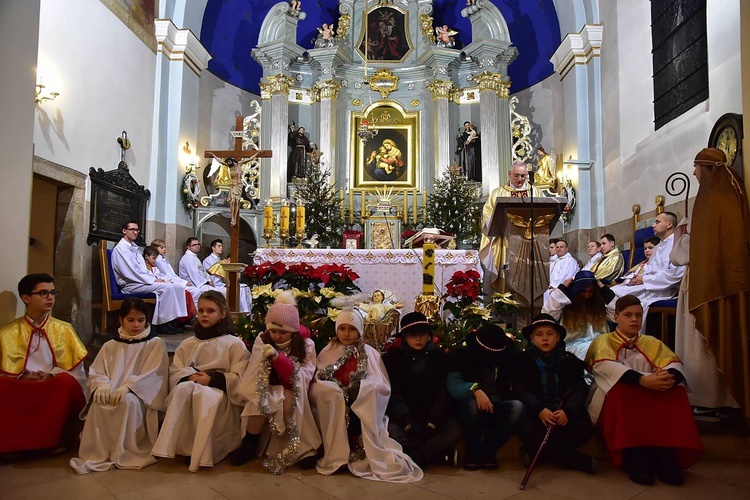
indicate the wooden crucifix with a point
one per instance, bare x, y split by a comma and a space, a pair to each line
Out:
236, 156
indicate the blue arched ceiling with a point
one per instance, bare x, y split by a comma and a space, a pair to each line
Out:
230, 31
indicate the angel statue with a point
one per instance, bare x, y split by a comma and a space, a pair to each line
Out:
326, 37
546, 166
445, 37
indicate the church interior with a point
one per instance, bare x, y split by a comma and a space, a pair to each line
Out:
219, 119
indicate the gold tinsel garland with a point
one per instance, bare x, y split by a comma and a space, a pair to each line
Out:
278, 463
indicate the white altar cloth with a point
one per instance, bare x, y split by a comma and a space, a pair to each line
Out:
397, 270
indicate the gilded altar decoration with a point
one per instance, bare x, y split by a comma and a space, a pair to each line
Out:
384, 81
440, 88
343, 26
275, 84
546, 167
425, 24
494, 82
521, 133
328, 89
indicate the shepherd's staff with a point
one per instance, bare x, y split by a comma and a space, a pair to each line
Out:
673, 188
541, 447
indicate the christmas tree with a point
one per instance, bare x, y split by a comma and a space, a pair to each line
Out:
454, 206
322, 207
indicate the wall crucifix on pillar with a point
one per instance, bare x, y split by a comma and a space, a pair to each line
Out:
230, 179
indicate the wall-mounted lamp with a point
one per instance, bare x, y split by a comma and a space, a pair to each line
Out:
39, 97
190, 160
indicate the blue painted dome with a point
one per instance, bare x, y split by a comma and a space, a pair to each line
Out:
230, 31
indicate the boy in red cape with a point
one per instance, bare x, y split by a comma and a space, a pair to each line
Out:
640, 402
41, 371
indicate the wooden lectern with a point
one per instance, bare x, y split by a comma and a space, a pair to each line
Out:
511, 221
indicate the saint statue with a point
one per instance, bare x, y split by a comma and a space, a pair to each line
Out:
300, 145
469, 152
546, 166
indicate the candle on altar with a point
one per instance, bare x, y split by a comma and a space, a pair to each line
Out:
424, 206
406, 207
414, 203
300, 216
363, 205
428, 267
342, 202
351, 206
284, 215
268, 216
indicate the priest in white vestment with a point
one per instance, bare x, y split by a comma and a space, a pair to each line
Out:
133, 277
660, 278
592, 249
128, 387
217, 247
563, 268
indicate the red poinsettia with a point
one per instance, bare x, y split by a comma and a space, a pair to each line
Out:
466, 286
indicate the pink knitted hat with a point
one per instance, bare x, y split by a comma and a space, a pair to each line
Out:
283, 314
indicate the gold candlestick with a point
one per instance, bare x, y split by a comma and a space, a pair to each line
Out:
283, 236
268, 234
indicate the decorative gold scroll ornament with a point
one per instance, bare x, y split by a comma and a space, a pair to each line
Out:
384, 81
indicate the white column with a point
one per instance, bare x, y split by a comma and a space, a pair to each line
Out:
180, 60
577, 61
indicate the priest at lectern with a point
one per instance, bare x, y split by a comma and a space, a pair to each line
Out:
494, 249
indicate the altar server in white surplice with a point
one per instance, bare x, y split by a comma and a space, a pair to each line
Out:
133, 277
563, 268
219, 281
128, 387
660, 278
204, 405
191, 269
350, 395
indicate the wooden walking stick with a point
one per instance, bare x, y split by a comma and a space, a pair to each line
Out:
541, 447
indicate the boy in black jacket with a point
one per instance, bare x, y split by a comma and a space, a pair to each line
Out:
420, 408
549, 381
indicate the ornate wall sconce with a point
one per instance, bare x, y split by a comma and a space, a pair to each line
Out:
41, 96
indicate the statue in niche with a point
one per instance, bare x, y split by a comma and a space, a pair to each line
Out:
300, 145
326, 37
445, 37
546, 166
470, 152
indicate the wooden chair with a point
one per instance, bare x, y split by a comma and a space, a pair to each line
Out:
112, 295
663, 309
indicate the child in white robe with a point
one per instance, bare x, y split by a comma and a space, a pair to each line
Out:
204, 405
128, 386
350, 396
278, 376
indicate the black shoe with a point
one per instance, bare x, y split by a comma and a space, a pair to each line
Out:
642, 477
167, 329
246, 450
308, 463
667, 469
472, 463
489, 461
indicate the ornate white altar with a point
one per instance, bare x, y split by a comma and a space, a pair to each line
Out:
397, 270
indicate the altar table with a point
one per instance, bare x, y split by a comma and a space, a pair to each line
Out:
397, 270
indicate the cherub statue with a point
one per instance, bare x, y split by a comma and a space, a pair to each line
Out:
295, 6
326, 37
445, 36
471, 2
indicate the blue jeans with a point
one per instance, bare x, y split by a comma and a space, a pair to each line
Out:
503, 422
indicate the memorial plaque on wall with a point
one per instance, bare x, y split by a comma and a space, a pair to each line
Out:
116, 198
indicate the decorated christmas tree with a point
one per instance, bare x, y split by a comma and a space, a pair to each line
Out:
322, 207
454, 206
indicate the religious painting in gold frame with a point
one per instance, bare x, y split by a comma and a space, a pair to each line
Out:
387, 31
389, 158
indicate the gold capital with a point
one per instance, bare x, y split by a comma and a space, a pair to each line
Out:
328, 89
494, 83
440, 88
275, 84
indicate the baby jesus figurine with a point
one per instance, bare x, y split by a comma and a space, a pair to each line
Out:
378, 307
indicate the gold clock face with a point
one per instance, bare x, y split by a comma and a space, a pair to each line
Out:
727, 142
